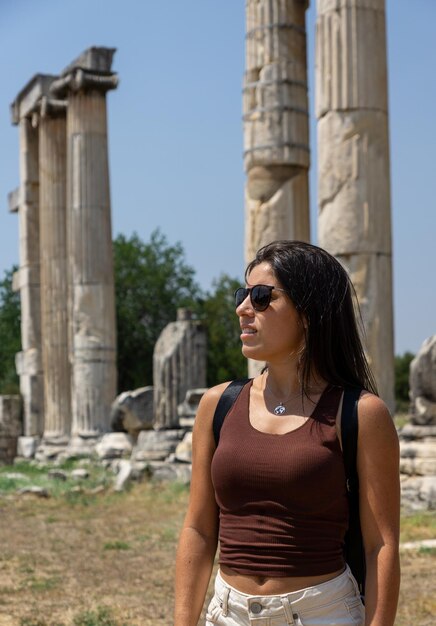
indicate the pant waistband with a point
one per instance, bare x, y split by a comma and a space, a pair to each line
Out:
342, 586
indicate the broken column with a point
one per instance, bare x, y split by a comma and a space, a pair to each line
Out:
54, 280
353, 157
91, 278
179, 364
276, 124
27, 279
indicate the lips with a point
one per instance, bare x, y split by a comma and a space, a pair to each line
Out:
248, 330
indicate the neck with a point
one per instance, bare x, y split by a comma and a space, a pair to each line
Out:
282, 381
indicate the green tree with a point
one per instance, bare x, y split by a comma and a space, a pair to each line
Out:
224, 357
402, 365
10, 334
152, 280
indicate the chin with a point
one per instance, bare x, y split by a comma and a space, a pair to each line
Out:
253, 353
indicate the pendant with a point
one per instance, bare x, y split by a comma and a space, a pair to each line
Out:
279, 409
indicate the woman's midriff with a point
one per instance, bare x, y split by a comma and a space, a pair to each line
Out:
262, 585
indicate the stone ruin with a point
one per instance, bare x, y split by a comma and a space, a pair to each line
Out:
67, 366
418, 438
353, 148
156, 422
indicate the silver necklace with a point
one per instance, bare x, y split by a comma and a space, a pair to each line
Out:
281, 408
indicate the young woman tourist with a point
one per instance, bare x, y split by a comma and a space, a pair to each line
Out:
273, 492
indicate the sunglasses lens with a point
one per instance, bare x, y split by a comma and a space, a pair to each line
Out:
240, 295
260, 297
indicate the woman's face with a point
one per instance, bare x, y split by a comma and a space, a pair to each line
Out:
273, 335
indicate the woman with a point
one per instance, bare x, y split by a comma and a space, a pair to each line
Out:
274, 490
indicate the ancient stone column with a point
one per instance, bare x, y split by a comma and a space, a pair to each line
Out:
276, 126
353, 157
54, 282
91, 279
27, 280
179, 364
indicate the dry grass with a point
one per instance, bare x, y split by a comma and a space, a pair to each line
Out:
107, 560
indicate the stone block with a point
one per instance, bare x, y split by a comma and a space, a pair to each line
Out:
27, 446
114, 445
156, 445
125, 470
183, 451
172, 472
133, 411
189, 406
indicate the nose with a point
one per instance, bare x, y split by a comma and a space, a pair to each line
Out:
245, 308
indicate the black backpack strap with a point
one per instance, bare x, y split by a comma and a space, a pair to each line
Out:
349, 432
225, 403
354, 550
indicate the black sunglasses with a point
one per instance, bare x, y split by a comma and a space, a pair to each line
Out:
260, 296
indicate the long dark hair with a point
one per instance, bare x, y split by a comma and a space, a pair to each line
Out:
323, 295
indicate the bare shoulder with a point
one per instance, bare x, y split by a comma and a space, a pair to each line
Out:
210, 398
375, 420
208, 403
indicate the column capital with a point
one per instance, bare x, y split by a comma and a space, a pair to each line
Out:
90, 71
26, 102
83, 80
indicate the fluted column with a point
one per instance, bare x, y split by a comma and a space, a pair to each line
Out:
276, 126
28, 361
354, 172
91, 277
54, 285
276, 135
27, 280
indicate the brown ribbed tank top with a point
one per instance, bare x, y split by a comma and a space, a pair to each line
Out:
282, 498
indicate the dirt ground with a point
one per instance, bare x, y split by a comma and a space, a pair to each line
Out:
107, 560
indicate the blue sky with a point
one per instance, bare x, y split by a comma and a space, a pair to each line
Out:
175, 128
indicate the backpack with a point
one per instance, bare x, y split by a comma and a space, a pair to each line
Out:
353, 543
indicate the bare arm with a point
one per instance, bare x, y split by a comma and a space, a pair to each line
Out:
199, 536
378, 468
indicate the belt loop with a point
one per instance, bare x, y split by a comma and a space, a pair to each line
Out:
225, 601
288, 611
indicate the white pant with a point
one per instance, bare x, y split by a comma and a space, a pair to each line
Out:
333, 603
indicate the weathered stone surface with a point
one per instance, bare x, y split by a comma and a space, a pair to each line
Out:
132, 411
80, 446
28, 362
179, 364
56, 474
114, 445
415, 431
183, 452
26, 446
54, 278
423, 384
50, 450
156, 445
11, 426
11, 423
91, 296
276, 136
125, 470
34, 490
189, 406
80, 473
354, 173
172, 472
419, 493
